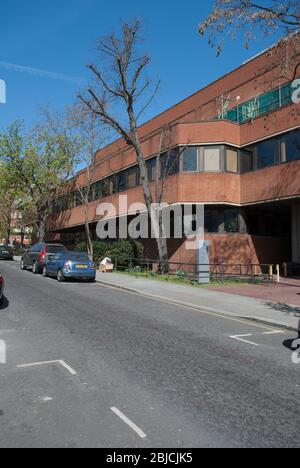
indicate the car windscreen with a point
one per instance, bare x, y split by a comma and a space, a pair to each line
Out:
5, 248
55, 248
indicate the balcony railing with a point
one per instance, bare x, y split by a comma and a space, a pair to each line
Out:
260, 105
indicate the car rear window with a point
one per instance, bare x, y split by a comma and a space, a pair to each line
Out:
78, 256
55, 248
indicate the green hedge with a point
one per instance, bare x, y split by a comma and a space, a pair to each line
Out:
123, 250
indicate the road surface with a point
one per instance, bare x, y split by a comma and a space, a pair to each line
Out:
90, 366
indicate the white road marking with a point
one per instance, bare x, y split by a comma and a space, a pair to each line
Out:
133, 426
62, 363
2, 352
275, 332
241, 338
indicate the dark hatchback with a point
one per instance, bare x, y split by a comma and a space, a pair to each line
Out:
38, 255
6, 252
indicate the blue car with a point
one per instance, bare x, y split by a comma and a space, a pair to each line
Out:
75, 265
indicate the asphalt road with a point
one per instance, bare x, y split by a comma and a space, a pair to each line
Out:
134, 372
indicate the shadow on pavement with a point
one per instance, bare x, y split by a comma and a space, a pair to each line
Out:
286, 308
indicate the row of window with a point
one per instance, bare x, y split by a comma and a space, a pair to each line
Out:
277, 150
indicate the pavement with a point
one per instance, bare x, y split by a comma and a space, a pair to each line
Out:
88, 365
263, 311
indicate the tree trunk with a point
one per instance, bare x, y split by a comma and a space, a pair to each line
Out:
41, 227
89, 242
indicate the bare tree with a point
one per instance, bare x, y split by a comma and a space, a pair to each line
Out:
231, 16
121, 94
90, 134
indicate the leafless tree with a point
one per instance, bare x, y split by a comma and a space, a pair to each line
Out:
121, 94
90, 134
231, 16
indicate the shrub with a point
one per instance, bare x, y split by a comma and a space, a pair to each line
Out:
122, 250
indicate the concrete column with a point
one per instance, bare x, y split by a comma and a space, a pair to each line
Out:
296, 232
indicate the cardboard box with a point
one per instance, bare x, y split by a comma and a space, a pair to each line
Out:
106, 268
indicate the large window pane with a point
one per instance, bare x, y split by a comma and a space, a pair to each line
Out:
122, 181
267, 153
246, 161
211, 220
132, 177
190, 160
212, 159
232, 160
152, 169
231, 221
292, 145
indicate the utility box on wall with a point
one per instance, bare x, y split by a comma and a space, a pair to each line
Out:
204, 262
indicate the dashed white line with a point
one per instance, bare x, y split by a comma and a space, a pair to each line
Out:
241, 338
133, 426
62, 363
275, 332
2, 352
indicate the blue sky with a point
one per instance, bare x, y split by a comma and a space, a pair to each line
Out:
58, 36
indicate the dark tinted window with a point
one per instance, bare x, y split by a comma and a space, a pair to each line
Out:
292, 146
267, 153
231, 221
211, 220
55, 248
246, 161
190, 160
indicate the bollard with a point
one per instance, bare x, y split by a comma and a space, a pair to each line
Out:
271, 272
278, 274
285, 270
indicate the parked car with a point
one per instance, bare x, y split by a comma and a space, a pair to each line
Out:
38, 255
6, 252
1, 289
76, 265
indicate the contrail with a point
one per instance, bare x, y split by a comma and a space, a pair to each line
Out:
42, 73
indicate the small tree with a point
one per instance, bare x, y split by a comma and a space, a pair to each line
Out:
121, 94
38, 166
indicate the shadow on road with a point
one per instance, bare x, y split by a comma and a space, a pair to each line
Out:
4, 304
286, 308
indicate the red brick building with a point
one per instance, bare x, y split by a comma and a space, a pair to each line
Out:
242, 162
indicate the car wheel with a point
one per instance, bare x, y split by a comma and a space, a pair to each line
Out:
45, 274
35, 268
60, 276
23, 267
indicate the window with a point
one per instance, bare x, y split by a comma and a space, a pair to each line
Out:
132, 177
232, 160
292, 146
267, 153
211, 220
212, 160
169, 163
231, 221
122, 181
190, 160
151, 163
246, 161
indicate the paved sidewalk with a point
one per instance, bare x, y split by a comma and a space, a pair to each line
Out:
276, 314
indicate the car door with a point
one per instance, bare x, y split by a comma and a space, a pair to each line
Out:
53, 264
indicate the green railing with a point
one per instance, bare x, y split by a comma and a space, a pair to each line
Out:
267, 102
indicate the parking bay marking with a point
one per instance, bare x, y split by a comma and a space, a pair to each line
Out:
133, 426
241, 338
62, 363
